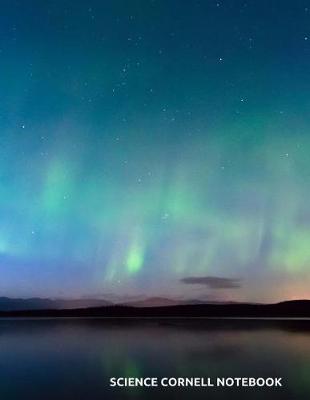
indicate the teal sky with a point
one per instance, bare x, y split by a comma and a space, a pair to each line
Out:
146, 142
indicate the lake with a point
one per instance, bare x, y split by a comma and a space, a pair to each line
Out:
74, 358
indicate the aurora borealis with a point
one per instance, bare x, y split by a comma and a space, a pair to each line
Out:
148, 142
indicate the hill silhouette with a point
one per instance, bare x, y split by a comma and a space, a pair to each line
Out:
286, 309
37, 303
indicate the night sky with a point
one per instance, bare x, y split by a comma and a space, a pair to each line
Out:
157, 148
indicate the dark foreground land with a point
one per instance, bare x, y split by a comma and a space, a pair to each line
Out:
288, 309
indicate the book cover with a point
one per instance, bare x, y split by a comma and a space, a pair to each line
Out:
154, 199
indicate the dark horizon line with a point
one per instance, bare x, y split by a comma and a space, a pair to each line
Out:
142, 298
286, 309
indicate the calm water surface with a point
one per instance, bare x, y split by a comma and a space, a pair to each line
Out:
74, 359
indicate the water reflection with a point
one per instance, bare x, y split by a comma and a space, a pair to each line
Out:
73, 359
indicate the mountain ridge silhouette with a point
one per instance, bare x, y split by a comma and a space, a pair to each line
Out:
284, 309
